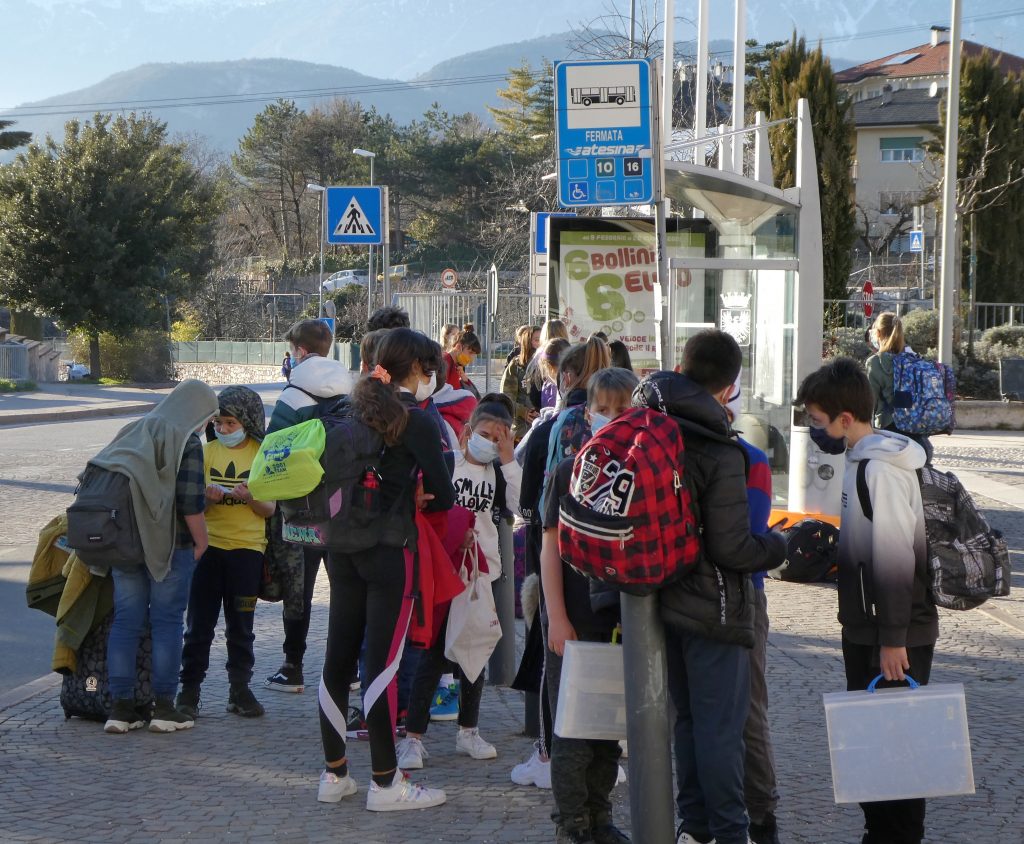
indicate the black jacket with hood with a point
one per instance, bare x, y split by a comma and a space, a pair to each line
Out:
716, 598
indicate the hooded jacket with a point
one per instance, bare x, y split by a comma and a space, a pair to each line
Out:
149, 452
313, 376
879, 367
883, 568
455, 407
716, 598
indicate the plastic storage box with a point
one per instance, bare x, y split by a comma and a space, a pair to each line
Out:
591, 692
899, 743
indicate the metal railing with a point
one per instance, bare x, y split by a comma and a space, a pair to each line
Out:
242, 352
993, 314
13, 362
851, 311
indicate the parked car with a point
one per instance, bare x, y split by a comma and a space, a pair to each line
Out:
343, 278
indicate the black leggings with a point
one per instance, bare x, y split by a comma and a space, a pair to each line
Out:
368, 594
432, 664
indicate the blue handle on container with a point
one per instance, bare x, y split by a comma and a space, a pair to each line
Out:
913, 683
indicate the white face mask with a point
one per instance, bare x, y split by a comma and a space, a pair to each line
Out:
232, 439
597, 422
425, 391
481, 449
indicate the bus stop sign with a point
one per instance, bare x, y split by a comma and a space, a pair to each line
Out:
604, 133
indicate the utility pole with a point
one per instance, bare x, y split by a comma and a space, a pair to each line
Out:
951, 150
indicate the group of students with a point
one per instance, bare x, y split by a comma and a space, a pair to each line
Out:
445, 449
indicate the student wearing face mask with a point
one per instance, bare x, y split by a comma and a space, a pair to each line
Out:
371, 590
487, 480
464, 351
229, 572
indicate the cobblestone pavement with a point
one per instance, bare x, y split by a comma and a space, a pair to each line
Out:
232, 779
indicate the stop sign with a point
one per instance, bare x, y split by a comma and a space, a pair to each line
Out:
868, 294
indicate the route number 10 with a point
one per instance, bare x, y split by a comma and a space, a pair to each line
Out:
605, 166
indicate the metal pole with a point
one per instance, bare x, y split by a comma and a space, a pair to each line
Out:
701, 119
372, 287
386, 238
501, 668
972, 284
632, 27
739, 79
647, 728
951, 150
668, 72
323, 237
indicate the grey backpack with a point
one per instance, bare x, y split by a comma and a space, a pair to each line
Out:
101, 522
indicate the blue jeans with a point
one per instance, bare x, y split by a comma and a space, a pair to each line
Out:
138, 597
710, 685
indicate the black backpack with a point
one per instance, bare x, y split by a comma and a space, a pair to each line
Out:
343, 513
101, 522
812, 553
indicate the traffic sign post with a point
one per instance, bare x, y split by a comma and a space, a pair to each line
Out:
604, 132
540, 229
868, 295
917, 241
449, 278
355, 215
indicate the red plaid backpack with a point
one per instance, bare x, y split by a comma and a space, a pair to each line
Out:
628, 518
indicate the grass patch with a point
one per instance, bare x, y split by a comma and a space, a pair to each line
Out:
9, 386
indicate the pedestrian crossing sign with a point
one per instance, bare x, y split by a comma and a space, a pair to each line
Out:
917, 241
354, 215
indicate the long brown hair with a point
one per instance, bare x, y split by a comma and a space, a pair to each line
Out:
524, 337
580, 362
889, 330
377, 404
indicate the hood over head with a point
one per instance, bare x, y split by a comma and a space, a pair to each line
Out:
675, 394
247, 407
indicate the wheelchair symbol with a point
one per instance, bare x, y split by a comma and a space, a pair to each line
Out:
578, 191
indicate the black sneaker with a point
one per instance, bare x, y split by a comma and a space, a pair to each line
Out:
609, 833
356, 723
188, 700
573, 836
243, 702
123, 717
287, 679
766, 832
167, 719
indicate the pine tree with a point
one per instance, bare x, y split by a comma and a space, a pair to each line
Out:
12, 140
527, 122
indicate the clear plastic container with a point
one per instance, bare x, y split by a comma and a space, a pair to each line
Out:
899, 743
591, 692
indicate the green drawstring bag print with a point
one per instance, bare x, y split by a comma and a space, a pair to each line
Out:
288, 462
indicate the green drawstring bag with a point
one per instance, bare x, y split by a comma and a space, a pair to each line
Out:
288, 462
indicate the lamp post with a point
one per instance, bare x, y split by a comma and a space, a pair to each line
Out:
365, 153
313, 186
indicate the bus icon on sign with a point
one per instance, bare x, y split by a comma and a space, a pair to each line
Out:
614, 94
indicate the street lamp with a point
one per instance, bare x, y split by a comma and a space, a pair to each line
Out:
320, 189
365, 153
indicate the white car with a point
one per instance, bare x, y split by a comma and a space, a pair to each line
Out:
343, 278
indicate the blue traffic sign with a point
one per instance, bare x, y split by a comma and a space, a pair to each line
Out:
353, 215
540, 235
917, 241
604, 131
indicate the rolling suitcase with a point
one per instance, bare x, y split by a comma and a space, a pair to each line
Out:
86, 693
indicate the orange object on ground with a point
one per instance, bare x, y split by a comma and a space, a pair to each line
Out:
780, 519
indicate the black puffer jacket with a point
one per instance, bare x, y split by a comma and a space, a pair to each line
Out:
716, 598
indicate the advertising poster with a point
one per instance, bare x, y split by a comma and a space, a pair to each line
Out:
608, 282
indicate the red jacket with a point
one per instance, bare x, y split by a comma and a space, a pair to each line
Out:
437, 582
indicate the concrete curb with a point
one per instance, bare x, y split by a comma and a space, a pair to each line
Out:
26, 417
30, 689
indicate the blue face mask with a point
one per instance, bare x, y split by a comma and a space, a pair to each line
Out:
232, 439
481, 449
598, 421
828, 444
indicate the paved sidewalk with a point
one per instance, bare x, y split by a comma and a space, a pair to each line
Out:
232, 779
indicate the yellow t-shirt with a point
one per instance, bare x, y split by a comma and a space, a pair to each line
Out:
232, 524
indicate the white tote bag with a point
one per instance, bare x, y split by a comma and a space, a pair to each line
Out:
473, 627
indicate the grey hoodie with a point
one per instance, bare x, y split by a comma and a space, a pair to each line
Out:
883, 578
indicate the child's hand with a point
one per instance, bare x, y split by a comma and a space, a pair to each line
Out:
893, 662
506, 445
422, 498
468, 541
560, 631
241, 493
215, 493
200, 549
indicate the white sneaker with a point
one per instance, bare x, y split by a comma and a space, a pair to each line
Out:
534, 771
625, 749
621, 776
411, 753
686, 838
333, 788
402, 794
471, 743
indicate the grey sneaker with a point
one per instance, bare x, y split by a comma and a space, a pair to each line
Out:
243, 702
167, 719
123, 717
188, 701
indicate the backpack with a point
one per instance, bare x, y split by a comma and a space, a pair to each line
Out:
812, 553
923, 393
568, 435
629, 518
343, 511
968, 561
101, 521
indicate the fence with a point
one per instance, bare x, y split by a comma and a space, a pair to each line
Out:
13, 362
992, 314
430, 312
851, 311
246, 352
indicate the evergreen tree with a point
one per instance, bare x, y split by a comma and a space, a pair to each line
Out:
526, 124
97, 229
12, 139
794, 72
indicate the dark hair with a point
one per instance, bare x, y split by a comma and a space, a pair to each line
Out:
712, 359
620, 355
313, 335
493, 406
390, 316
613, 379
467, 339
368, 346
581, 361
838, 387
375, 403
600, 335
